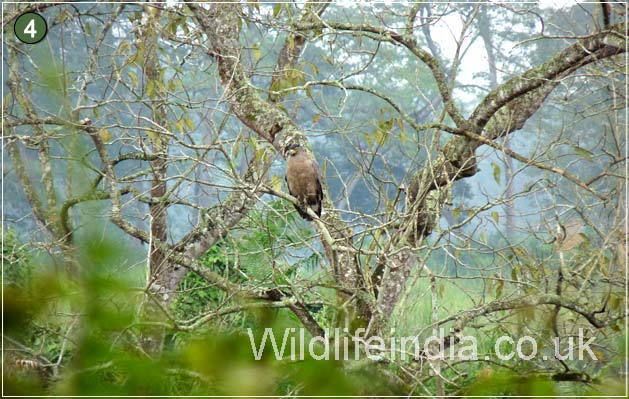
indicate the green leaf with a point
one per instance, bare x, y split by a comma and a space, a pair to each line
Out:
189, 123
256, 51
236, 147
124, 47
172, 28
499, 288
403, 137
400, 123
583, 153
159, 85
134, 78
495, 216
277, 9
313, 68
380, 136
150, 88
281, 84
327, 59
295, 77
260, 154
276, 183
496, 172
105, 135
367, 137
180, 126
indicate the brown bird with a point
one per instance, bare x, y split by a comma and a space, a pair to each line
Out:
302, 178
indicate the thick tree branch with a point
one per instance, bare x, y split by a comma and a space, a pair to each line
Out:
221, 24
596, 47
503, 111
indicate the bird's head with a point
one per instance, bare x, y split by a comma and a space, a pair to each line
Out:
292, 150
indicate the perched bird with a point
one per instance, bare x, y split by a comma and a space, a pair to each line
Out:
302, 178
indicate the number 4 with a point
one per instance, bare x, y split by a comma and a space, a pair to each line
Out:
30, 29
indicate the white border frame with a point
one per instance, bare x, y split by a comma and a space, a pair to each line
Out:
626, 360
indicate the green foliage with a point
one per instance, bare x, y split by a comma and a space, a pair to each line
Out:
75, 314
267, 236
101, 356
497, 383
17, 269
258, 257
196, 295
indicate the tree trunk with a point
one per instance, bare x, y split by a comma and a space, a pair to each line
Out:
159, 290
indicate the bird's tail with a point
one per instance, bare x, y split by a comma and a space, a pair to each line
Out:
302, 213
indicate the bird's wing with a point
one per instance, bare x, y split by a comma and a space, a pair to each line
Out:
315, 173
287, 183
319, 187
294, 194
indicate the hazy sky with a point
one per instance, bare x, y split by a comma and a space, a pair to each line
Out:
559, 3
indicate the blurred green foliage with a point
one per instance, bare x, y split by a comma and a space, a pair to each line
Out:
76, 330
196, 294
91, 319
17, 270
